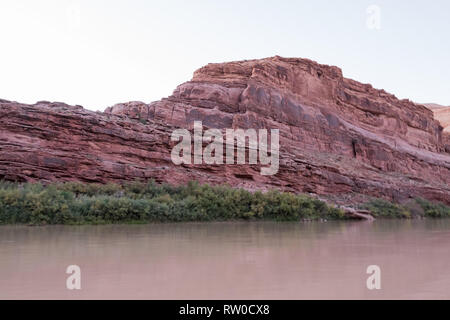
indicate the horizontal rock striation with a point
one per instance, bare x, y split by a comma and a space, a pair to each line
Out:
337, 136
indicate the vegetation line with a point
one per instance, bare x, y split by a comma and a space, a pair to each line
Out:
81, 203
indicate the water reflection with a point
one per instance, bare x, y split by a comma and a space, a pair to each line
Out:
232, 260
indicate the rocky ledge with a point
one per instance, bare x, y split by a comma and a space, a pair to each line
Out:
338, 137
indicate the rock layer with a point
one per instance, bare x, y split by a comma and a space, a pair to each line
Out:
441, 114
337, 136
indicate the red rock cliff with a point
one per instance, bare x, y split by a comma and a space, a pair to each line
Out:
337, 136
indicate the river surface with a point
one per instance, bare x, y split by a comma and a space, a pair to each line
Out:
228, 260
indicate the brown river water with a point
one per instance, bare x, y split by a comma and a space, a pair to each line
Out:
228, 260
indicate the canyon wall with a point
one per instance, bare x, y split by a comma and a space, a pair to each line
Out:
338, 137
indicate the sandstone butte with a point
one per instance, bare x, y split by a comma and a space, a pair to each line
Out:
339, 138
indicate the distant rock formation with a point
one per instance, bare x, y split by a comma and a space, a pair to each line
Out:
441, 113
337, 136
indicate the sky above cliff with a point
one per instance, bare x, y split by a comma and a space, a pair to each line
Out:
98, 53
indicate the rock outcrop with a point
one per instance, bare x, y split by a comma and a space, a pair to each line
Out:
337, 136
442, 114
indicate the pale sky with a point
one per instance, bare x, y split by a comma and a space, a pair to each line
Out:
98, 53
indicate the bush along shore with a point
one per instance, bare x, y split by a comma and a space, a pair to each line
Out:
81, 203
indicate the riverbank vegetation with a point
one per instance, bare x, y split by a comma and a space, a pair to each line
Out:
414, 208
78, 203
83, 203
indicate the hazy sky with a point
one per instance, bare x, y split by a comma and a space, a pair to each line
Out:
98, 53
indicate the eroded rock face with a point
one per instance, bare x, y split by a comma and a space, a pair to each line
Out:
442, 114
337, 136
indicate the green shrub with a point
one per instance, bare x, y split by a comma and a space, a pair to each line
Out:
384, 209
413, 208
138, 202
434, 210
